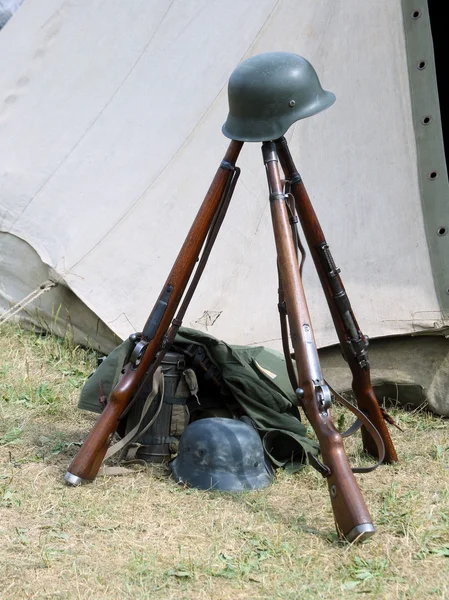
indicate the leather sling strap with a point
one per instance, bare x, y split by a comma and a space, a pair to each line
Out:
363, 419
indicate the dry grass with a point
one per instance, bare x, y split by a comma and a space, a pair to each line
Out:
141, 536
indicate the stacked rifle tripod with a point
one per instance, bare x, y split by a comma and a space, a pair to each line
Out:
267, 93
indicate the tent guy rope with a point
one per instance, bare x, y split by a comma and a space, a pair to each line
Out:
34, 295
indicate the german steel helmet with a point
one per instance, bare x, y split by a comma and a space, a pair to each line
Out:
268, 93
221, 454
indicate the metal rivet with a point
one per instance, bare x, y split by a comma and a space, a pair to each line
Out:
292, 103
442, 231
421, 65
333, 491
433, 175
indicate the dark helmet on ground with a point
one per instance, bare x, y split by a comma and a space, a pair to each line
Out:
269, 92
221, 454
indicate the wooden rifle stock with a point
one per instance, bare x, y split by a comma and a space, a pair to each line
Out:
353, 342
149, 351
352, 518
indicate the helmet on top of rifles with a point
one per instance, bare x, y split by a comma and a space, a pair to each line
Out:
221, 454
268, 93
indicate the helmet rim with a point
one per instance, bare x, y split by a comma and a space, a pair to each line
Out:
244, 130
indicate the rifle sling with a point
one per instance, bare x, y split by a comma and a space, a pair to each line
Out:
362, 419
370, 428
157, 387
353, 429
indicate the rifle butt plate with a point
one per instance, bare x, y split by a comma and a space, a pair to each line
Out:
360, 533
73, 479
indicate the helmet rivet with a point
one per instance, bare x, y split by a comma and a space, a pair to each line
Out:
292, 103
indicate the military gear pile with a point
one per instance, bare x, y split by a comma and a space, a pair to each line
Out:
255, 383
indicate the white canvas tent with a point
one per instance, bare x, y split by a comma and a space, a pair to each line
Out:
110, 118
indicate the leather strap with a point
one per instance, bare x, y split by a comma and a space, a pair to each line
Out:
370, 428
158, 386
318, 465
362, 419
353, 429
358, 424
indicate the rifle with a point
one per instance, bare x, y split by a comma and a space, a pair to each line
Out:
353, 343
155, 341
352, 518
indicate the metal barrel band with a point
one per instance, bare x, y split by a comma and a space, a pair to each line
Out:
227, 165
